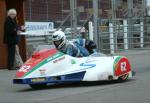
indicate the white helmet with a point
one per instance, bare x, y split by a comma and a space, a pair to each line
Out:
59, 39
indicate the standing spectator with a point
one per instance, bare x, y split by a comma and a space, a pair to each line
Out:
11, 36
18, 60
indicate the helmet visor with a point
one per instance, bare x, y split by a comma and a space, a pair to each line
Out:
58, 42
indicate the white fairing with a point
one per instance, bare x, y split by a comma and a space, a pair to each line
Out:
102, 69
97, 66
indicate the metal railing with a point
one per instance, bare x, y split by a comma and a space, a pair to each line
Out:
116, 35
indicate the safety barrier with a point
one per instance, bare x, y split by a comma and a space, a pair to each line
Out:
114, 35
120, 34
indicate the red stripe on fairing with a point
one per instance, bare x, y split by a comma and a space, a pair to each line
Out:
36, 58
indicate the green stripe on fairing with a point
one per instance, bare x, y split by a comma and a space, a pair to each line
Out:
59, 54
116, 62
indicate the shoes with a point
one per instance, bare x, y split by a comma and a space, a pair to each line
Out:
12, 69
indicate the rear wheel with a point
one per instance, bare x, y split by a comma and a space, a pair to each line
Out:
38, 86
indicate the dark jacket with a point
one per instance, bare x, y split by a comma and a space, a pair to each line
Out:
10, 31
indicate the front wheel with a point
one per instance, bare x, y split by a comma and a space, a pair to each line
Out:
38, 86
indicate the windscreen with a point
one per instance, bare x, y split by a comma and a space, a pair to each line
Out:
44, 47
93, 56
97, 54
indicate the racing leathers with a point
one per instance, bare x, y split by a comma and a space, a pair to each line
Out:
74, 50
87, 44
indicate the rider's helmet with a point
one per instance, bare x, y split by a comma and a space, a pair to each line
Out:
59, 39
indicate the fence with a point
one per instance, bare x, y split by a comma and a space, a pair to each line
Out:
119, 34
114, 35
130, 32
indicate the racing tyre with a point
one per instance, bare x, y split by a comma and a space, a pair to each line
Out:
38, 86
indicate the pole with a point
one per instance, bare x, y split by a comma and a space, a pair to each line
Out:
95, 19
73, 9
141, 35
130, 23
111, 38
47, 16
30, 9
125, 30
90, 30
113, 4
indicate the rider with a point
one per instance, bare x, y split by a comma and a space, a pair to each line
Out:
68, 47
88, 44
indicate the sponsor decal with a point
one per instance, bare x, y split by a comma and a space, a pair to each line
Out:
24, 68
73, 61
59, 59
121, 66
42, 72
87, 65
35, 80
59, 54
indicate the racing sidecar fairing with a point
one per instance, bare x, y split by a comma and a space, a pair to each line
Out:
51, 66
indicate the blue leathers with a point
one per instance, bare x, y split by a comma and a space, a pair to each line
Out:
87, 44
74, 50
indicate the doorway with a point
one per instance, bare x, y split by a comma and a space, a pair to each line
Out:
5, 5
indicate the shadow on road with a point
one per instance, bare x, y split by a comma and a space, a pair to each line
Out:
76, 85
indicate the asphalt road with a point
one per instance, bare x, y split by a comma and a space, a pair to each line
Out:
136, 90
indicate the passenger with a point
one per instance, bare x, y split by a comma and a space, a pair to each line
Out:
68, 47
88, 44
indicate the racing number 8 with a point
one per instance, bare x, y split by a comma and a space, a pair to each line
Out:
123, 66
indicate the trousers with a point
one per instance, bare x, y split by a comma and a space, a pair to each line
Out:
18, 60
11, 55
